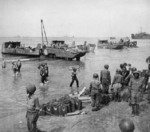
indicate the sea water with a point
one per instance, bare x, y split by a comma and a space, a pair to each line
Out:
13, 90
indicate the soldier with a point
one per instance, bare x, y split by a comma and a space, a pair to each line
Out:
121, 68
18, 65
43, 75
126, 125
3, 64
14, 68
128, 78
74, 78
33, 108
147, 82
95, 91
46, 70
136, 86
125, 73
105, 79
117, 84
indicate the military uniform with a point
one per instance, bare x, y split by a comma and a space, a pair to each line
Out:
33, 108
95, 93
105, 79
147, 83
74, 78
19, 65
136, 88
117, 85
43, 75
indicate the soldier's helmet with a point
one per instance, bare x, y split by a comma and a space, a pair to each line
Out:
126, 125
95, 75
136, 72
106, 66
125, 64
134, 69
74, 69
31, 88
121, 66
117, 70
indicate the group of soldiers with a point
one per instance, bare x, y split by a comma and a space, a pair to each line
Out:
127, 78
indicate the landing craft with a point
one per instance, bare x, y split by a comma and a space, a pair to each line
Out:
18, 49
58, 49
109, 45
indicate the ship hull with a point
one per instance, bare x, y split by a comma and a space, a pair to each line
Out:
64, 54
142, 35
18, 51
110, 46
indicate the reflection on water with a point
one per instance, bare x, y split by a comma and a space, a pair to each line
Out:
13, 89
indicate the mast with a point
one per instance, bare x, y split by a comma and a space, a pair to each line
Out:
43, 33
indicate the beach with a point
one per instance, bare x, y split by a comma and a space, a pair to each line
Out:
13, 91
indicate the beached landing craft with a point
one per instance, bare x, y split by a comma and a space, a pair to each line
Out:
16, 48
87, 47
128, 43
58, 49
109, 45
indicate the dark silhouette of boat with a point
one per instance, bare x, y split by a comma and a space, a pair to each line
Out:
16, 48
109, 45
141, 35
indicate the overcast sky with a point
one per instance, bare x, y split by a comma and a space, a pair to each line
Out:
85, 18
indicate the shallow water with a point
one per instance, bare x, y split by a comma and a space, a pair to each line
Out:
12, 88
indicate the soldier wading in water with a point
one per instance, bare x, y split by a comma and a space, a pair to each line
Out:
74, 71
